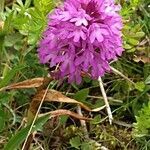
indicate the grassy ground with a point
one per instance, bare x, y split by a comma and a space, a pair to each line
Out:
21, 25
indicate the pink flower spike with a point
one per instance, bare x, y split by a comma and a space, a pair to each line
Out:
82, 36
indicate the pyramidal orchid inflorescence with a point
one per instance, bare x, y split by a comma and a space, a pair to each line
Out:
82, 36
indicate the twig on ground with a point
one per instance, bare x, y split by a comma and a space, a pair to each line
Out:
105, 100
98, 109
121, 123
121, 74
83, 123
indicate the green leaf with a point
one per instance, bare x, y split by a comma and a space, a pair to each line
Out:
75, 142
86, 146
12, 39
127, 46
45, 6
10, 75
142, 125
96, 119
27, 3
63, 119
5, 97
140, 86
20, 136
82, 94
132, 50
20, 2
87, 79
140, 34
132, 41
147, 81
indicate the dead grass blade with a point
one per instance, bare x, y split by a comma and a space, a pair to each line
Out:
31, 83
143, 59
61, 112
53, 96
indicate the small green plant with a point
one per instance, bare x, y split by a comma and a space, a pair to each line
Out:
142, 126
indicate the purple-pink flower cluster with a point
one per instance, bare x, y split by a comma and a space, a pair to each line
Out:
82, 36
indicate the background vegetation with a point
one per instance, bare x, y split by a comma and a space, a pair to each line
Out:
21, 25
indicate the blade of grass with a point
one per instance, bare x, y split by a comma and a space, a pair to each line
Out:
35, 117
20, 136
